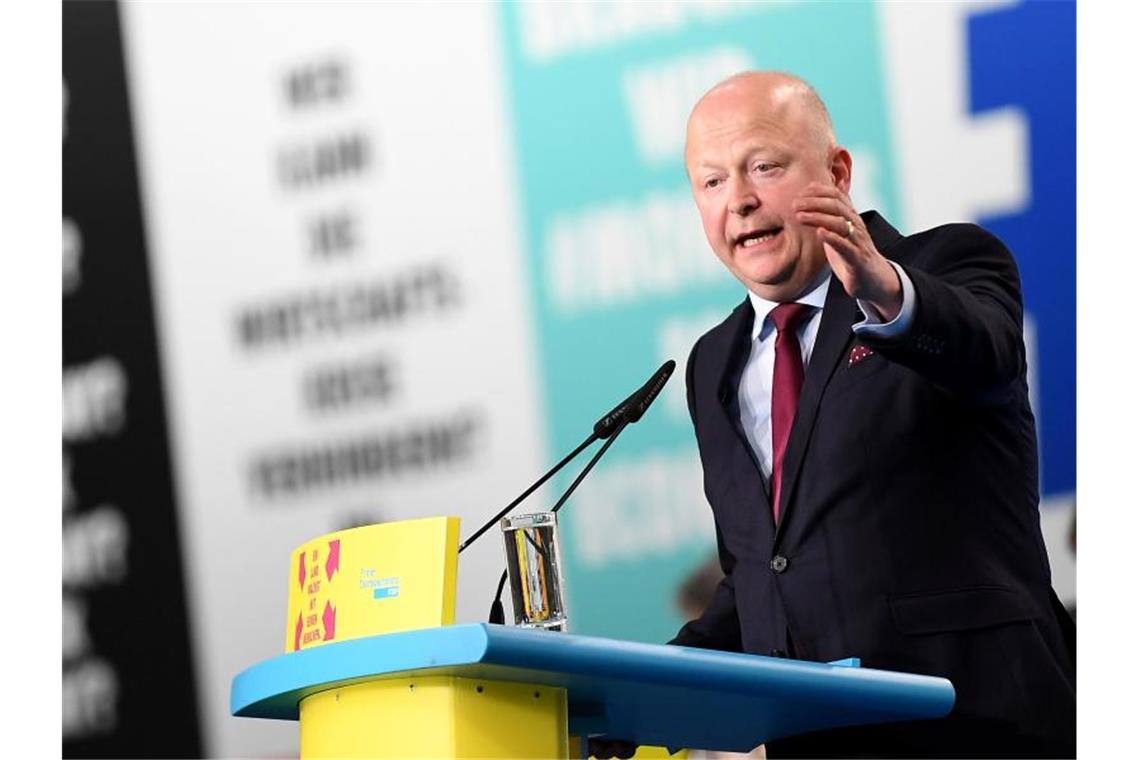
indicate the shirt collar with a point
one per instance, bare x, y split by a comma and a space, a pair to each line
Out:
815, 296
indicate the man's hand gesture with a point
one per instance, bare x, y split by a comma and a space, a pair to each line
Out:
864, 272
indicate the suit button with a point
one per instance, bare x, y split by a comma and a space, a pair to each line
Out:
777, 653
778, 564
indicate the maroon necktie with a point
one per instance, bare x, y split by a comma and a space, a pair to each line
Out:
787, 379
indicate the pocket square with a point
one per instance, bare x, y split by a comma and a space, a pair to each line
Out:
858, 354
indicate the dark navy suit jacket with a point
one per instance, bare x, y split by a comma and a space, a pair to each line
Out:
909, 532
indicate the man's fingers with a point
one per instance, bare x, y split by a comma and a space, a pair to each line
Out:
824, 204
844, 247
828, 191
836, 224
837, 201
848, 246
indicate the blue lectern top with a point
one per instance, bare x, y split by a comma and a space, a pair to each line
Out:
648, 693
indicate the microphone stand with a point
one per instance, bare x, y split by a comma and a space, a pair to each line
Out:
497, 613
609, 427
590, 465
593, 437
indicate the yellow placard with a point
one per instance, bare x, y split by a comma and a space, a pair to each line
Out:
374, 579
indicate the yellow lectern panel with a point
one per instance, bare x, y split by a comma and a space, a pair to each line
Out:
370, 580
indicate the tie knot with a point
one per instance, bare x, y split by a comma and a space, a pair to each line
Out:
789, 315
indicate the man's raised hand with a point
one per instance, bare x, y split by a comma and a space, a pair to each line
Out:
864, 272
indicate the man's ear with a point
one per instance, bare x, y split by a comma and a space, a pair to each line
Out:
839, 165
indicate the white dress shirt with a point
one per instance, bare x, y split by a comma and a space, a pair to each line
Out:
755, 391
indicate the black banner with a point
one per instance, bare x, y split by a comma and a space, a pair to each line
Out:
128, 682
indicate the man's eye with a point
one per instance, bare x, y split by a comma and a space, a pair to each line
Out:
763, 167
712, 182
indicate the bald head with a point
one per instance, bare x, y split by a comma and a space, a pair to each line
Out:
754, 145
781, 96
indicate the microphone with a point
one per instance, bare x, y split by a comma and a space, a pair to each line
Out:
603, 428
609, 427
651, 389
636, 403
641, 401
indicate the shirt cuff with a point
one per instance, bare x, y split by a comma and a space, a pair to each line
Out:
872, 326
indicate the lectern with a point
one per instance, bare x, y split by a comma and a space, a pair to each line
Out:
480, 690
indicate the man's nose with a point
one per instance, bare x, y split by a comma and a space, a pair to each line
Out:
743, 199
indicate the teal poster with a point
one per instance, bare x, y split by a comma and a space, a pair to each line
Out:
621, 275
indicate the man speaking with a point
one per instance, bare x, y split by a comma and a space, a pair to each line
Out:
868, 448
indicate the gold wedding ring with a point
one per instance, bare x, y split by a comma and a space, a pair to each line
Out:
850, 228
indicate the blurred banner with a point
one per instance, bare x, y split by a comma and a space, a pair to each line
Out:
128, 684
402, 256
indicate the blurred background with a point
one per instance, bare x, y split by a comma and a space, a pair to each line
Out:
331, 264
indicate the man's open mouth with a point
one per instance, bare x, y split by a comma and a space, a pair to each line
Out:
757, 237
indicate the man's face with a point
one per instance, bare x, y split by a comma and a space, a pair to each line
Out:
749, 155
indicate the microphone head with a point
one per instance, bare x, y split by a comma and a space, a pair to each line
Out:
606, 426
651, 389
635, 404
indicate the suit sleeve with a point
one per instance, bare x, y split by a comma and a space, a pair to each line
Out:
718, 627
967, 330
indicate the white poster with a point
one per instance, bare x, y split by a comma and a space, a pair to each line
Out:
339, 291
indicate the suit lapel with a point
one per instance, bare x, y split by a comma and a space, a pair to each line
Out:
840, 312
738, 333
